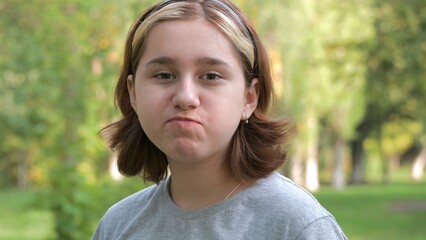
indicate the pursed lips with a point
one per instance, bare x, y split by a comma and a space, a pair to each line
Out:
183, 120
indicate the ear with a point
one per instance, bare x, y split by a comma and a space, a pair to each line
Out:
251, 99
131, 90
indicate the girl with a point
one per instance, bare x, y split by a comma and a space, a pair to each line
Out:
194, 91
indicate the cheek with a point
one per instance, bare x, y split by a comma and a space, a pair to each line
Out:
148, 104
227, 109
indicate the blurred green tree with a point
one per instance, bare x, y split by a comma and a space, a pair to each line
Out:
322, 59
395, 87
58, 63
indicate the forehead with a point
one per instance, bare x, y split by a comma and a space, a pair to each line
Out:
191, 38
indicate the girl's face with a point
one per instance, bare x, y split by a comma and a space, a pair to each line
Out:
189, 91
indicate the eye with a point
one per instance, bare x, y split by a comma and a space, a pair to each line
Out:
211, 76
164, 76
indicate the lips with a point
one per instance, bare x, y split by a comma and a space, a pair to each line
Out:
184, 120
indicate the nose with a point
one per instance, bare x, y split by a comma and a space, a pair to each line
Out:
186, 94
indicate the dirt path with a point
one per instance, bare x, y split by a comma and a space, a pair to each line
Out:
408, 206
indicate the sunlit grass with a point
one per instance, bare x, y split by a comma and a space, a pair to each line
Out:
394, 211
20, 220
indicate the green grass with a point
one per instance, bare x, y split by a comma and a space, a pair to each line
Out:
20, 220
372, 212
364, 212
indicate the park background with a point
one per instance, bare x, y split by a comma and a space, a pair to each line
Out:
349, 74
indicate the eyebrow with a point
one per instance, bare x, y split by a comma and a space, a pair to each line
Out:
161, 61
200, 61
211, 61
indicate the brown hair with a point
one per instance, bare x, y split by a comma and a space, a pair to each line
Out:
256, 149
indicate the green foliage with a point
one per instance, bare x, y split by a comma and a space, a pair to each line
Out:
397, 62
78, 206
70, 200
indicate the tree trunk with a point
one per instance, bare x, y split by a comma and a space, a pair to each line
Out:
419, 164
312, 179
395, 161
357, 152
22, 173
383, 158
363, 130
339, 171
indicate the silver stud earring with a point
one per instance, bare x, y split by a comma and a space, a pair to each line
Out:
245, 119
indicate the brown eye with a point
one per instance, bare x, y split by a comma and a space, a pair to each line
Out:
164, 76
210, 76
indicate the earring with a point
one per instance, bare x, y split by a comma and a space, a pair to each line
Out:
246, 119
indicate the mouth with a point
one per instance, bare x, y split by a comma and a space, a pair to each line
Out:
183, 120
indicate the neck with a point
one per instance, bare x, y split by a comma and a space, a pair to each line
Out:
196, 186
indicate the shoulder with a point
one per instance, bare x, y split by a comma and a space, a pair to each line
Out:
123, 212
280, 193
285, 205
127, 206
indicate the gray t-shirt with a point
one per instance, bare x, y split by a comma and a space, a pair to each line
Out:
272, 208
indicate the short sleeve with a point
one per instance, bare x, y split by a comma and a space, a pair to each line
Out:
325, 228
